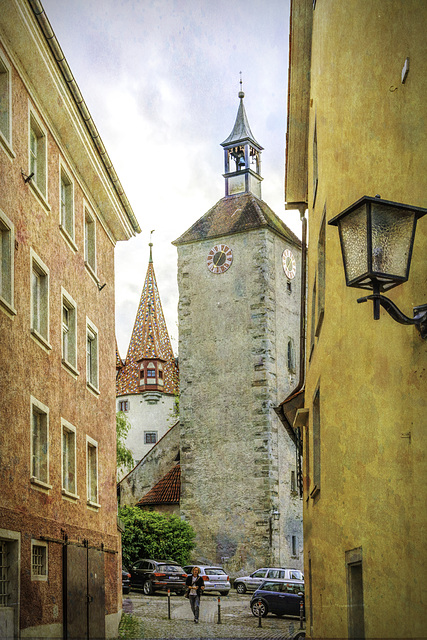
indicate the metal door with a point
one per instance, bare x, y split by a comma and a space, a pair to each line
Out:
84, 593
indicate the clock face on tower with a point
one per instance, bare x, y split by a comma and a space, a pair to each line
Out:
219, 258
289, 263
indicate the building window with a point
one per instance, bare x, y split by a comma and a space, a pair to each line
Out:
5, 99
150, 437
291, 356
294, 546
39, 442
67, 203
313, 317
315, 164
4, 574
7, 242
69, 484
38, 155
124, 405
92, 472
92, 356
293, 482
39, 299
69, 331
316, 443
321, 274
38, 560
356, 615
90, 242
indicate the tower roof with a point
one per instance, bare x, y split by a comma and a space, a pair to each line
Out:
234, 214
241, 130
150, 340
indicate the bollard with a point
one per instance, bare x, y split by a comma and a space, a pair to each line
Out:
219, 609
301, 611
169, 604
259, 613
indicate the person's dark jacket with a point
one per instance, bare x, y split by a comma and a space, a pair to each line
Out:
199, 583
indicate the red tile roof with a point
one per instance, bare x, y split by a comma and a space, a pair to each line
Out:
166, 491
234, 214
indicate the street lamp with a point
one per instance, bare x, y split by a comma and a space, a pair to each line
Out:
377, 238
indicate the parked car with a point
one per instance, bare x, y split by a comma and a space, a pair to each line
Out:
125, 580
252, 582
157, 575
281, 597
215, 577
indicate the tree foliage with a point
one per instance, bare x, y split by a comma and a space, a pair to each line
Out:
149, 534
124, 455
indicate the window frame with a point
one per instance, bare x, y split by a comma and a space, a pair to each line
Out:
7, 263
40, 409
150, 433
92, 358
92, 444
70, 363
89, 224
124, 406
66, 205
40, 577
68, 428
37, 157
39, 308
6, 105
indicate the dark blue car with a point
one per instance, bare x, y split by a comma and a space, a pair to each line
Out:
281, 597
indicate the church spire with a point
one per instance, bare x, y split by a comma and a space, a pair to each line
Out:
242, 156
150, 362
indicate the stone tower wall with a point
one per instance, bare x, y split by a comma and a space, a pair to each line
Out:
233, 337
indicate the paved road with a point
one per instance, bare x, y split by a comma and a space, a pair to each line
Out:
237, 620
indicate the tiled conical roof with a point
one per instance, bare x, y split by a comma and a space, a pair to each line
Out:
166, 491
150, 340
119, 361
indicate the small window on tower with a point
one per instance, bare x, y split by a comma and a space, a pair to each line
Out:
151, 373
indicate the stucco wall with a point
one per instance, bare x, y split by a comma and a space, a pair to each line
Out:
371, 139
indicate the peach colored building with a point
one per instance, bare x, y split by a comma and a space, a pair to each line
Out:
62, 210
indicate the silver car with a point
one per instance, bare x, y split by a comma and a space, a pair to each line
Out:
214, 577
252, 582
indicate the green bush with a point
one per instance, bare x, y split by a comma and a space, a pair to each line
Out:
153, 535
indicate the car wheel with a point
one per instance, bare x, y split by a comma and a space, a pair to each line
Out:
241, 588
259, 608
148, 588
224, 593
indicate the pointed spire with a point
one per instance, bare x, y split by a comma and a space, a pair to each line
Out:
241, 130
149, 341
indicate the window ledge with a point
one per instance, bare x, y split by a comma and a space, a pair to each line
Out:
91, 272
315, 491
39, 195
39, 484
92, 388
36, 578
93, 505
70, 496
70, 368
39, 338
7, 146
69, 240
9, 308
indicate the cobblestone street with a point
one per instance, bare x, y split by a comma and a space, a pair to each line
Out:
237, 620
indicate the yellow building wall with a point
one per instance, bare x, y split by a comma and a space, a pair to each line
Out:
371, 139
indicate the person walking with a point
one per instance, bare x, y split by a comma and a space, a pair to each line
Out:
195, 586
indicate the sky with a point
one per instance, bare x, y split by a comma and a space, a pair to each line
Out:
160, 79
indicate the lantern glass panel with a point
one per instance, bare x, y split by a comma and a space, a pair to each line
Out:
392, 235
353, 231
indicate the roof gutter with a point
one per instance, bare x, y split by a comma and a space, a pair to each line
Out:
53, 43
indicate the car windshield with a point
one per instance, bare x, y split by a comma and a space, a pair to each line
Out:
170, 568
215, 572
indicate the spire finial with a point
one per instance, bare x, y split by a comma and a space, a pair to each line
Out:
241, 94
150, 244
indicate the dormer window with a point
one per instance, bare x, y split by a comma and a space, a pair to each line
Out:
151, 373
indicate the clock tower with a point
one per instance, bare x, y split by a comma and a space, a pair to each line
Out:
239, 297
